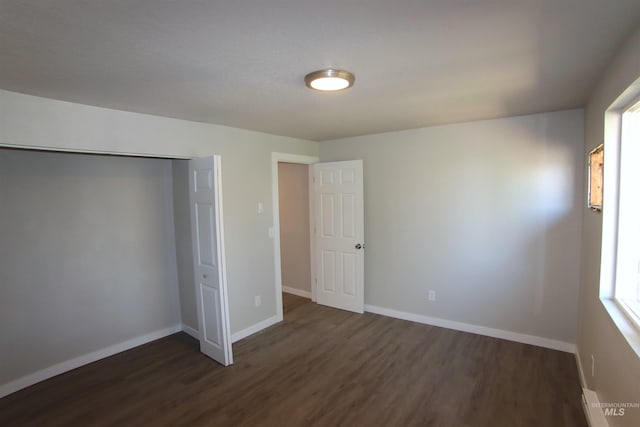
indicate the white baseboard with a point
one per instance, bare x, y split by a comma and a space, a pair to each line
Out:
590, 402
480, 330
240, 334
254, 328
592, 409
583, 381
60, 368
298, 292
191, 331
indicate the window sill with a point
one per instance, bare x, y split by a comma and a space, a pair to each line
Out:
626, 327
631, 310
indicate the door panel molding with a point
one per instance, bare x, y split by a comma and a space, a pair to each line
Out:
339, 195
209, 266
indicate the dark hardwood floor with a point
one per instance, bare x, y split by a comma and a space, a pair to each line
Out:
319, 367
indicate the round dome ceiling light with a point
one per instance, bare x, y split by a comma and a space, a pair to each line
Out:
329, 80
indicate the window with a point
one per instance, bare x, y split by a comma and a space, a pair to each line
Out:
627, 269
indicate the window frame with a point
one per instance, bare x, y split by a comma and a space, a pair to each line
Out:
623, 318
627, 275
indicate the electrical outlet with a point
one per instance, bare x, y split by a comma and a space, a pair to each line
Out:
257, 300
271, 232
593, 366
260, 207
432, 295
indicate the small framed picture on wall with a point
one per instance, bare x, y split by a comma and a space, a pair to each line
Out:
596, 167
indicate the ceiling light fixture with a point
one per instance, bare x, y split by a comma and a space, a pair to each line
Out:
329, 80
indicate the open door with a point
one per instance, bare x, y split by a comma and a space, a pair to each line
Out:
339, 234
205, 202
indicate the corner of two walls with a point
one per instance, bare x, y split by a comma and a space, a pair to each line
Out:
31, 122
246, 181
87, 266
294, 230
440, 203
487, 214
617, 367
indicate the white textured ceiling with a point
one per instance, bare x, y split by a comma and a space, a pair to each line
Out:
241, 63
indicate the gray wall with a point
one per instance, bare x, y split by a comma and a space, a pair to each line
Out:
487, 214
617, 366
86, 255
184, 250
30, 121
293, 191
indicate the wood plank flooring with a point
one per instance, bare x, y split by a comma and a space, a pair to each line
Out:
319, 367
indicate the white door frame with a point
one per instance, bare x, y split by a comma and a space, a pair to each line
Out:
303, 160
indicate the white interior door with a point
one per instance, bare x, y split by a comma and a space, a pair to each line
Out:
205, 201
339, 234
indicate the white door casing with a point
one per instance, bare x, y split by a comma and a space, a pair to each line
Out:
299, 159
205, 200
339, 234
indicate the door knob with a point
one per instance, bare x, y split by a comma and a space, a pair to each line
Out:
359, 246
